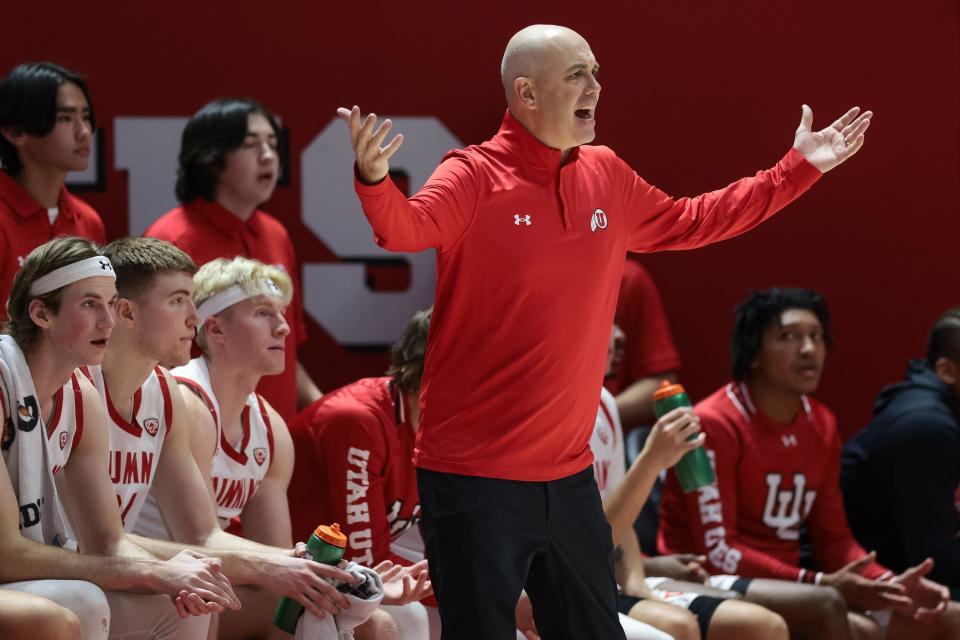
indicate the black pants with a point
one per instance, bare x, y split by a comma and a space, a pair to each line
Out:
487, 539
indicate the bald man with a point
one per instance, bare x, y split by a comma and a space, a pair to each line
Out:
531, 230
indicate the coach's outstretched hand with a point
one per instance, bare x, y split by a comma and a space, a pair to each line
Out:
828, 147
372, 159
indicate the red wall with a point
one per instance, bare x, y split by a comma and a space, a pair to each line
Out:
695, 95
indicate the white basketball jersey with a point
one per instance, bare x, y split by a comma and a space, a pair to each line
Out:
65, 426
238, 467
135, 444
609, 463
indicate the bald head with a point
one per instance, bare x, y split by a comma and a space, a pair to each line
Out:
530, 50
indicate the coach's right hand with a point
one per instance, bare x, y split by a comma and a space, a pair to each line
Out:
195, 584
372, 159
865, 594
667, 441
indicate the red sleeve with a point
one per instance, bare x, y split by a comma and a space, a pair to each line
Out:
660, 222
349, 448
649, 347
712, 513
437, 216
833, 544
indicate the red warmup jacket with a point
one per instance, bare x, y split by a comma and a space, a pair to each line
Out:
771, 479
25, 225
529, 257
353, 467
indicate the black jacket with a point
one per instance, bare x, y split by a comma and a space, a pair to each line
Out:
900, 477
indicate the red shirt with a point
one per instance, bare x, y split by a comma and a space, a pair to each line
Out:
25, 225
648, 348
205, 231
771, 478
529, 257
353, 466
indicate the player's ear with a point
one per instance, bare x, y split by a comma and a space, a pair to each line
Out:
125, 311
946, 370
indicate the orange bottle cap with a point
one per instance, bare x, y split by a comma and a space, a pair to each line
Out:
667, 389
331, 535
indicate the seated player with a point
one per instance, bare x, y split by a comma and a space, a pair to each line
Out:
239, 443
353, 465
229, 164
149, 434
901, 474
55, 448
777, 456
673, 607
648, 354
46, 125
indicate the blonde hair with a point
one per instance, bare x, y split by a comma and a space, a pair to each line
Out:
248, 274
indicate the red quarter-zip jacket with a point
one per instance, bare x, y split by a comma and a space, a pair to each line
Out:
529, 257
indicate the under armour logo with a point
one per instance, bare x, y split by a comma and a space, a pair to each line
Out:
598, 221
21, 260
789, 440
105, 265
517, 219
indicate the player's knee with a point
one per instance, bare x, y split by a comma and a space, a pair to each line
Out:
379, 626
829, 604
88, 602
677, 622
63, 624
770, 626
40, 618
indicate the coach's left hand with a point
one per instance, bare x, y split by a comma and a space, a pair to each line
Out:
828, 147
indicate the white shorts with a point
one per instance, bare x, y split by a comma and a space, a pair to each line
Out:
85, 599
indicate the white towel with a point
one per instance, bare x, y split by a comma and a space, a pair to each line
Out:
363, 597
25, 451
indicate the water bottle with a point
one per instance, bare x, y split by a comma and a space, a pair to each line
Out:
326, 546
694, 469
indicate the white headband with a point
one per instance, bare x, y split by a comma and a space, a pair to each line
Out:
87, 268
234, 294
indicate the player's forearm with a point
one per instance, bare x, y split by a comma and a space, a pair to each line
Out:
624, 504
307, 391
243, 561
28, 560
628, 565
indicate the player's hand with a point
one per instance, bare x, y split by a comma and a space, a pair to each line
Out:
366, 138
686, 567
828, 147
865, 594
668, 441
195, 584
402, 585
524, 617
929, 598
305, 581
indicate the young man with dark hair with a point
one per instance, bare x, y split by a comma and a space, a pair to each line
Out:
901, 473
228, 166
776, 452
46, 124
